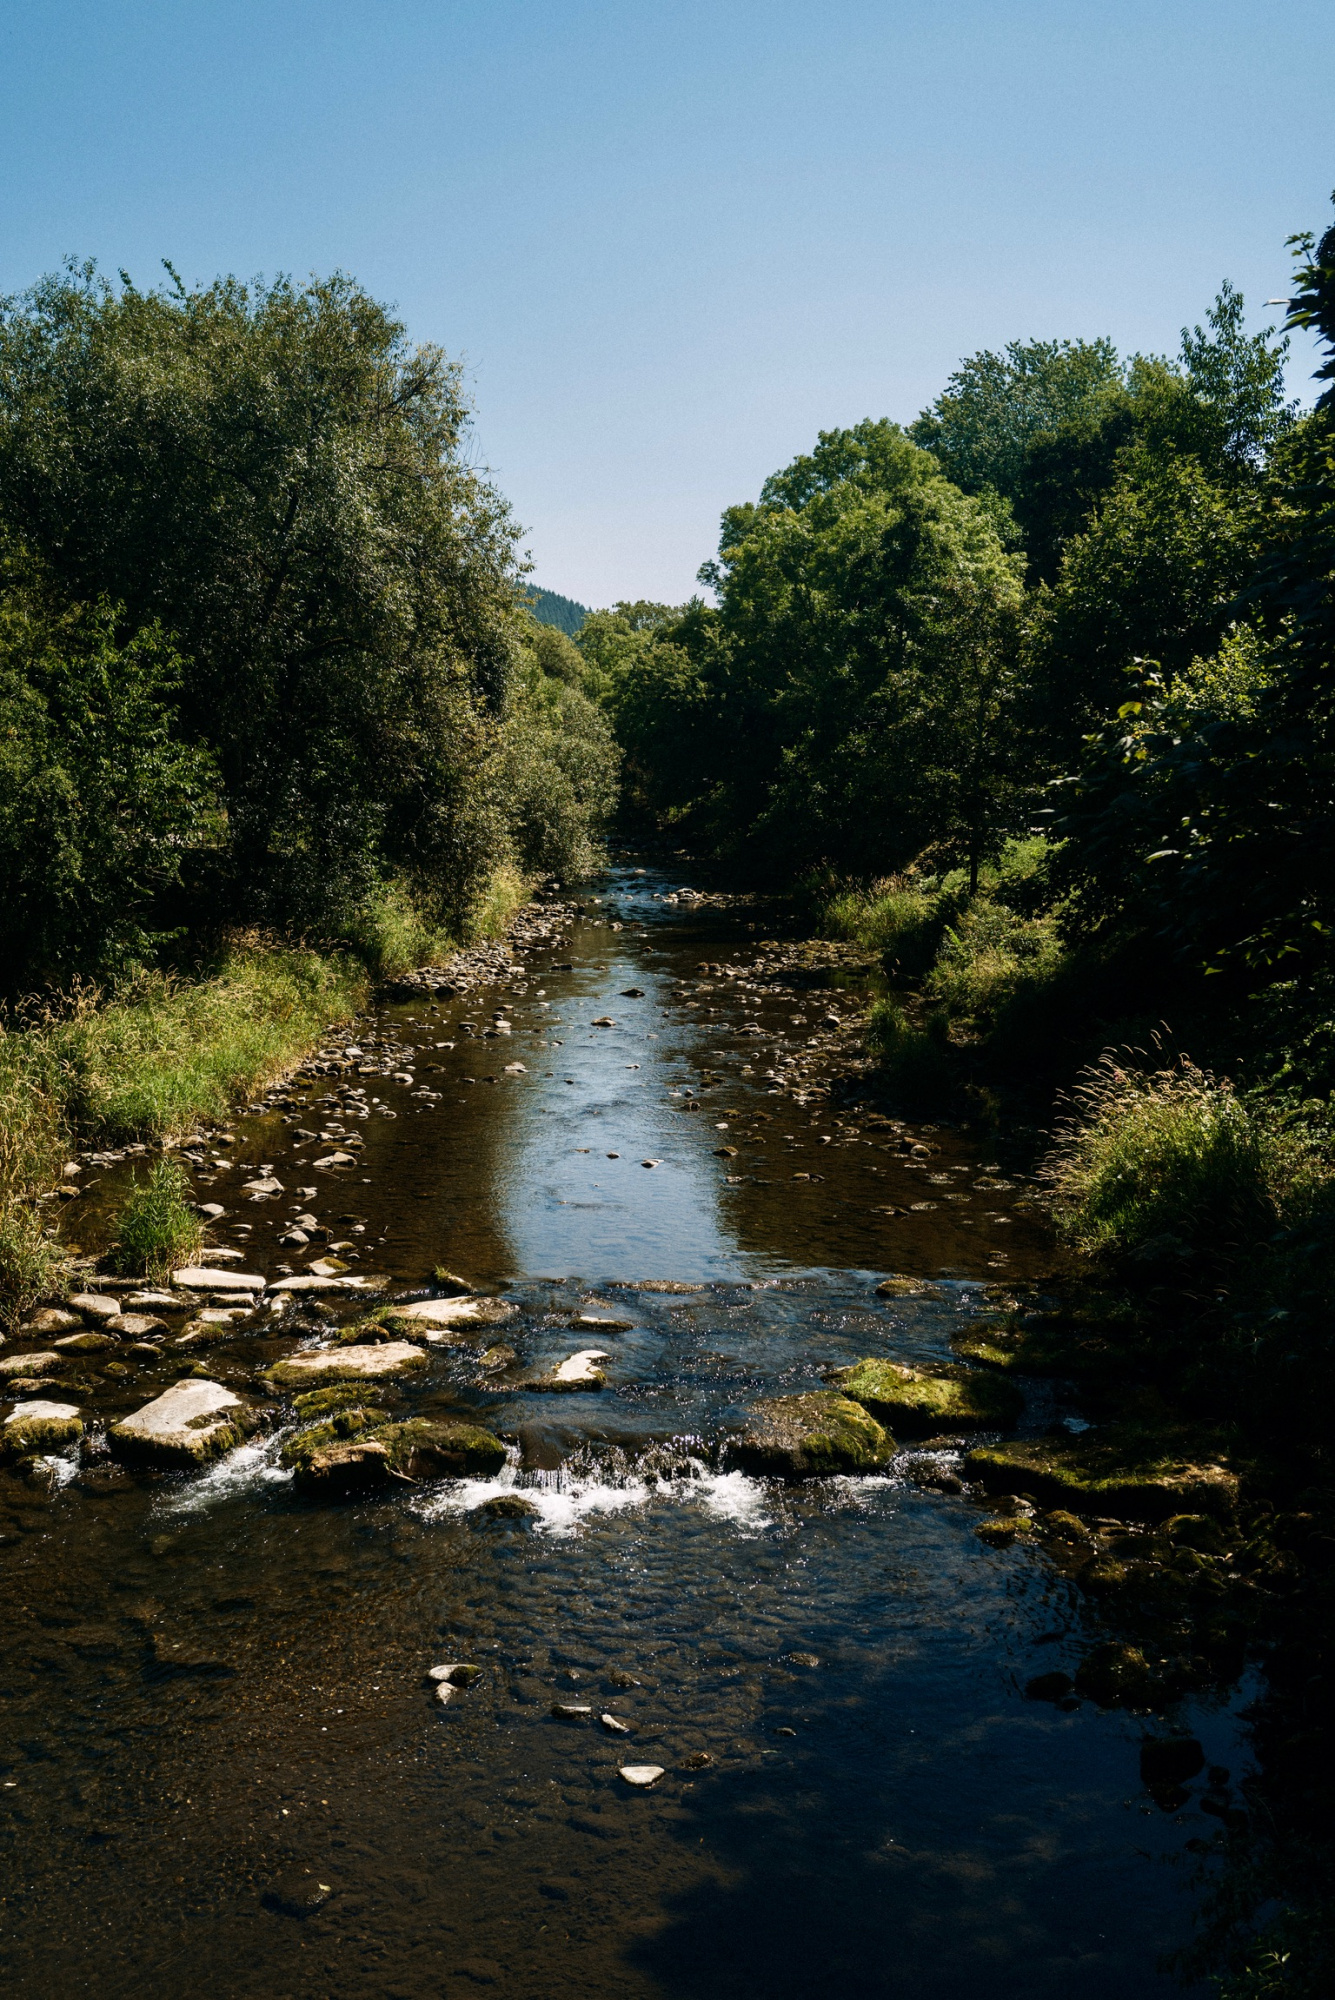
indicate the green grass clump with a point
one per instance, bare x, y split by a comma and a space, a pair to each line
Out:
914, 1059
32, 1148
989, 956
1175, 1164
157, 1228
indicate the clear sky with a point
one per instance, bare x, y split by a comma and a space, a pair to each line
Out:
671, 242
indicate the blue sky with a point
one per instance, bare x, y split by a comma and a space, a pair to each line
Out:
672, 242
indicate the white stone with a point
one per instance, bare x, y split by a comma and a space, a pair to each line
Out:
313, 1282
55, 1413
188, 1423
615, 1725
581, 1367
347, 1364
95, 1305
641, 1775
455, 1312
337, 1159
202, 1278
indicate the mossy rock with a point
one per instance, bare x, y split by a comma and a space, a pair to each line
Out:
442, 1448
926, 1400
1117, 1676
343, 1466
40, 1427
1125, 1471
347, 1422
318, 1368
317, 1403
803, 1437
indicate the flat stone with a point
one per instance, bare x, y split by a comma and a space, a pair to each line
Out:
577, 1371
188, 1424
87, 1342
603, 1323
338, 1159
213, 1209
927, 1400
40, 1427
803, 1437
28, 1364
310, 1281
96, 1306
571, 1711
135, 1326
266, 1185
457, 1672
322, 1365
205, 1278
641, 1775
151, 1302
50, 1319
1123, 1470
441, 1315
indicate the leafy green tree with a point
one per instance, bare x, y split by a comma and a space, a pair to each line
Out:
100, 802
273, 475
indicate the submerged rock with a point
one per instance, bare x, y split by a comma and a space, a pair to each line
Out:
509, 1507
40, 1427
801, 1437
928, 1399
443, 1448
1117, 1676
323, 1365
190, 1423
1124, 1470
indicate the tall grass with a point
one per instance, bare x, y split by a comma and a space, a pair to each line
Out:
1173, 1164
157, 1227
32, 1148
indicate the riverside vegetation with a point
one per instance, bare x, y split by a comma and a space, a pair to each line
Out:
1030, 701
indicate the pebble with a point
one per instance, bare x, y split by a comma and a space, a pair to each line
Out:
571, 1711
615, 1725
641, 1775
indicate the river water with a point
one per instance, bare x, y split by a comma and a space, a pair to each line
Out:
221, 1760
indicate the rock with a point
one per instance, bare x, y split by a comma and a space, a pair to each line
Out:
1000, 1534
450, 1285
265, 1185
28, 1364
641, 1775
95, 1306
433, 1316
614, 1725
201, 1278
318, 1367
571, 1711
190, 1423
632, 993
212, 1209
297, 1896
443, 1448
353, 1465
87, 1342
136, 1326
802, 1437
926, 1400
620, 1678
456, 1672
696, 1760
802, 1659
1170, 1760
603, 1323
151, 1302
496, 1357
1066, 1527
509, 1507
294, 1239
1192, 1531
338, 1159
577, 1371
906, 1288
603, 1021
40, 1427
318, 1403
311, 1281
50, 1319
1122, 1470
1116, 1676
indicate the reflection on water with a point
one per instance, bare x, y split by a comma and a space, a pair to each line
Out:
216, 1694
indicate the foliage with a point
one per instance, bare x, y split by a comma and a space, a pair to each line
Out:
99, 799
550, 608
1174, 1164
157, 1228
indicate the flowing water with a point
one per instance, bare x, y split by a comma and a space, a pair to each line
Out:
221, 1759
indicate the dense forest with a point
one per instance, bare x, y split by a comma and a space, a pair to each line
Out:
550, 608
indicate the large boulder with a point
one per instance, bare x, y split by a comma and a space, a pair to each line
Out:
1123, 1470
188, 1424
801, 1437
922, 1400
39, 1427
317, 1367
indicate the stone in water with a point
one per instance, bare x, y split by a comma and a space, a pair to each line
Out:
641, 1775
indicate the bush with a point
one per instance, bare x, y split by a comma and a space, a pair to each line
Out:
915, 1065
1175, 1165
157, 1228
32, 1147
988, 956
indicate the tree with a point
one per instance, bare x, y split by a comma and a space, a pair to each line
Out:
275, 477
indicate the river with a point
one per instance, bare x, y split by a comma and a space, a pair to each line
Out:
221, 1758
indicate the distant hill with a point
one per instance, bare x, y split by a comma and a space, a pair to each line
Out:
549, 608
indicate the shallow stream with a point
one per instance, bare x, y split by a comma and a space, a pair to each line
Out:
222, 1763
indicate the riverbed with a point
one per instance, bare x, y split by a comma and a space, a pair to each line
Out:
222, 1759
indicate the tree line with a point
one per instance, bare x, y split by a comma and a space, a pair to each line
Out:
264, 655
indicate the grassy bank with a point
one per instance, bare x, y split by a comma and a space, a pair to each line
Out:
162, 1054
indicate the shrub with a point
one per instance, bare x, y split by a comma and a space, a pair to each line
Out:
1174, 1165
915, 1065
157, 1228
32, 1146
988, 955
